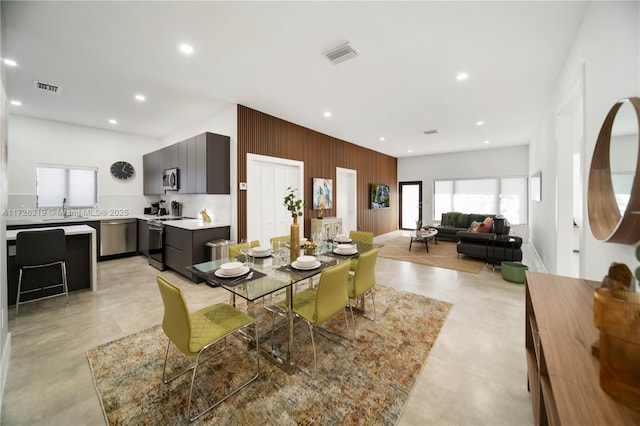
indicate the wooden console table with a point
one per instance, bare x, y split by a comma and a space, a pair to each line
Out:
563, 375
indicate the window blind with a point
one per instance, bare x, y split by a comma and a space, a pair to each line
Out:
54, 183
506, 196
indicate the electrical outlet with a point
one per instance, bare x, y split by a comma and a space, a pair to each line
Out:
243, 186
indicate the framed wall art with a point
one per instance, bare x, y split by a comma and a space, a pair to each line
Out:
322, 193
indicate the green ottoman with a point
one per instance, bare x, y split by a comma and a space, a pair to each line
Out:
513, 271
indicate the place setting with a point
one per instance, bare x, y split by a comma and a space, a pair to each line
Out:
305, 265
232, 273
344, 250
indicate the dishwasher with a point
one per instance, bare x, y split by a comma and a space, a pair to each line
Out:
118, 236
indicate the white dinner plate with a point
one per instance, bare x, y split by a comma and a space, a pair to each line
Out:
219, 273
347, 241
264, 254
345, 253
315, 265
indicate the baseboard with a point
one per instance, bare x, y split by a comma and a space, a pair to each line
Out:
539, 264
4, 368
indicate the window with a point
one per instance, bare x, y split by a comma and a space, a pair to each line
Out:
54, 183
505, 196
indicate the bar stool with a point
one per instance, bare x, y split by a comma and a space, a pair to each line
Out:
39, 249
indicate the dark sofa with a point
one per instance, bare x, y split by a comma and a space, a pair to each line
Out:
454, 222
491, 247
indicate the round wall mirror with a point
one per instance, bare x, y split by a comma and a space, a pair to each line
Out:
614, 181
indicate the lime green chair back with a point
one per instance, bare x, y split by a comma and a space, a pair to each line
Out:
365, 274
332, 296
364, 237
284, 238
234, 249
176, 322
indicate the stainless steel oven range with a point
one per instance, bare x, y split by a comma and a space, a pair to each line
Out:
156, 240
156, 243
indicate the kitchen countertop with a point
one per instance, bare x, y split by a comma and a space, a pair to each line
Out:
190, 224
194, 224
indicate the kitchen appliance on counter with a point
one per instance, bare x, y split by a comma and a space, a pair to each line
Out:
170, 179
176, 208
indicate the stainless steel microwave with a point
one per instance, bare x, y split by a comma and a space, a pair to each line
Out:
170, 180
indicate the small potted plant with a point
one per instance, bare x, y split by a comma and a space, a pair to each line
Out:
418, 224
295, 208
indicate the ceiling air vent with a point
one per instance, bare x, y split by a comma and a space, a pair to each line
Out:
341, 53
431, 132
47, 87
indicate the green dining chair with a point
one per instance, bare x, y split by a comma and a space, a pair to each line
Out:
283, 238
194, 333
363, 237
362, 282
318, 304
234, 249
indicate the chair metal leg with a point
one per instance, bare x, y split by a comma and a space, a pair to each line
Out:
19, 285
63, 267
197, 363
313, 344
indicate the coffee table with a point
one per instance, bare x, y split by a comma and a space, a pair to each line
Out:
424, 235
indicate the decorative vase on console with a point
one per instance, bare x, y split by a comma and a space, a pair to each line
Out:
295, 207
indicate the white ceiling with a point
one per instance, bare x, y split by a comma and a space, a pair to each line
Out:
268, 56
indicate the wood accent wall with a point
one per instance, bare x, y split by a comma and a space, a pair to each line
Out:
260, 133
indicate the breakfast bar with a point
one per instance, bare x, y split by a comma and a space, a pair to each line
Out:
81, 260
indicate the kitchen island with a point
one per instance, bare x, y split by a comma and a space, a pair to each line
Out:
82, 255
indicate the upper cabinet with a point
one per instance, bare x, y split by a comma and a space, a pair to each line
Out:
202, 161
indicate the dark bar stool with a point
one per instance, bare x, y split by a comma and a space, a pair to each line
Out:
39, 249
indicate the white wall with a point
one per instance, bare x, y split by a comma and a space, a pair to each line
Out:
607, 45
512, 161
222, 208
33, 141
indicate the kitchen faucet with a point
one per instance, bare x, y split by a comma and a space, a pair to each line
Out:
64, 207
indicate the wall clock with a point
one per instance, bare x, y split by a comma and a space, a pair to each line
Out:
122, 170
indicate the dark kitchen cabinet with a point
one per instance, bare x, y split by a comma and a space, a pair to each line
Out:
152, 169
143, 237
184, 247
203, 164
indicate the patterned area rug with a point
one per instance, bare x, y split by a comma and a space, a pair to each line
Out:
443, 255
361, 381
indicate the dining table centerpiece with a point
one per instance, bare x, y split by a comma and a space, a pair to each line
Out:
295, 207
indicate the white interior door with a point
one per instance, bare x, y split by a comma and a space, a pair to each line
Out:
569, 201
347, 198
267, 181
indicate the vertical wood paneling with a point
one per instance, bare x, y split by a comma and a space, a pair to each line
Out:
262, 134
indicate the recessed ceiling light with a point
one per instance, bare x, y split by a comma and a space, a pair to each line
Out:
479, 123
10, 62
16, 103
187, 49
140, 98
410, 150
327, 114
462, 76
381, 138
112, 121
486, 142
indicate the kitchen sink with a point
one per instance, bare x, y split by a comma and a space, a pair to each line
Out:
64, 219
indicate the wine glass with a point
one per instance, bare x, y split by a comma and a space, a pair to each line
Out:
245, 246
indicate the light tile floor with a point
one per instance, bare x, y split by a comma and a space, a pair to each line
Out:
475, 374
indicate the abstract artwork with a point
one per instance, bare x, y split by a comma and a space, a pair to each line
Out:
322, 193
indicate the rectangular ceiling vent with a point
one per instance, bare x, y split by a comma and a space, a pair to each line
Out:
47, 87
431, 132
341, 53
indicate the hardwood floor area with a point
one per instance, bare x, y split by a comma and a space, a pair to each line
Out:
475, 374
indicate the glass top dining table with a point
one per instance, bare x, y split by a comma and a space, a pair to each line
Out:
270, 276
